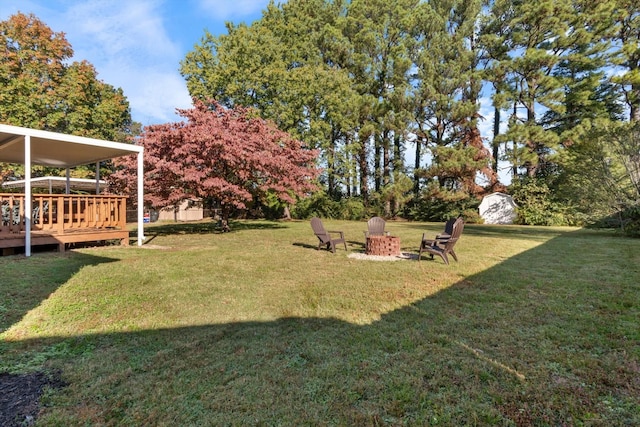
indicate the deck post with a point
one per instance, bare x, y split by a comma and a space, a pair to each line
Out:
98, 178
60, 214
27, 195
140, 198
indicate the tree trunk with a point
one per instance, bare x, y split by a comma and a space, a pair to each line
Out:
634, 115
331, 182
495, 145
386, 158
364, 172
377, 163
386, 168
398, 166
416, 166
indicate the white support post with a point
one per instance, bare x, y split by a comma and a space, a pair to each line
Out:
140, 198
68, 183
27, 195
98, 178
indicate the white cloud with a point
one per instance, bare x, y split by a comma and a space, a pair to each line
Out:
137, 45
130, 48
158, 97
133, 29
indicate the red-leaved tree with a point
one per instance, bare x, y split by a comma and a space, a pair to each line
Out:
228, 155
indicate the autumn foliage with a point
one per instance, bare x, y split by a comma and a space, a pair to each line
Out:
40, 87
228, 155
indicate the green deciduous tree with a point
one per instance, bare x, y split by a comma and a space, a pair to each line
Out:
39, 88
601, 170
31, 68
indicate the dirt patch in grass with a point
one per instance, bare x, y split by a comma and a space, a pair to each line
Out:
20, 396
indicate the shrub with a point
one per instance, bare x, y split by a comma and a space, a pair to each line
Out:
321, 205
439, 204
536, 205
631, 221
352, 208
318, 204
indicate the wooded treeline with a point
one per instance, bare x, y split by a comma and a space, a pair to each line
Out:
375, 84
417, 107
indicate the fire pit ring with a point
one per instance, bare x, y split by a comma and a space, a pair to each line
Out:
383, 246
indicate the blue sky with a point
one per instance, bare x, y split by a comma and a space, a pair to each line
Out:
137, 45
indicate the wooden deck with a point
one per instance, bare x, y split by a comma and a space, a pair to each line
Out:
62, 219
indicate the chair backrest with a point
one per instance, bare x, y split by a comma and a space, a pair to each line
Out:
318, 229
448, 226
375, 226
458, 226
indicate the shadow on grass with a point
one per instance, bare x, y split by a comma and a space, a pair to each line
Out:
499, 231
531, 341
306, 245
207, 227
26, 281
354, 245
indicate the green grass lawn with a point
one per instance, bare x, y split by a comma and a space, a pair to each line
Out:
534, 326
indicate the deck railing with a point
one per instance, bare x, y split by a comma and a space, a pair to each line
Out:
62, 213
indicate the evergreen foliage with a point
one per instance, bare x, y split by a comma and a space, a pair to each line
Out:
365, 80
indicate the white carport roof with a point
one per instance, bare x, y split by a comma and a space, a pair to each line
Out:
56, 149
36, 147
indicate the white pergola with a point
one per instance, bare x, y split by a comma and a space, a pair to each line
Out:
36, 147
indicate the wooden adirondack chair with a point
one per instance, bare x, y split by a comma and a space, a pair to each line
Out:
324, 236
375, 227
441, 245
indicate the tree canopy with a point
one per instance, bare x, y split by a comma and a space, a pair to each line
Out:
40, 88
363, 81
229, 156
387, 92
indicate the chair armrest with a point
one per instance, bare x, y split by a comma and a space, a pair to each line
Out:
341, 233
427, 242
424, 238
